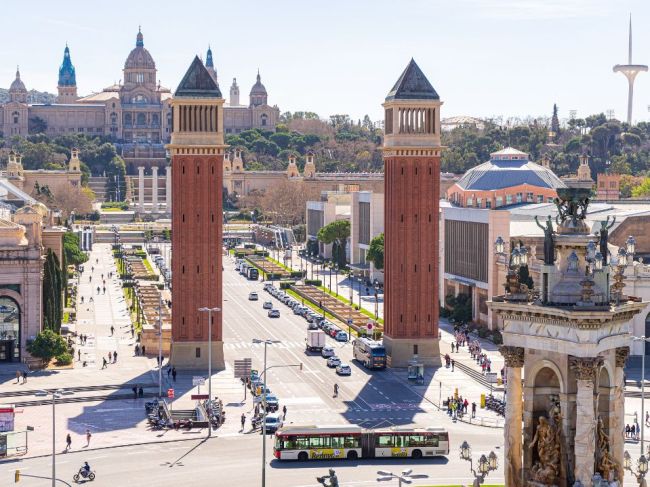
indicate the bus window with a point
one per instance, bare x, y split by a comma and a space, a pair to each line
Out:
431, 440
384, 441
319, 442
337, 442
301, 444
352, 442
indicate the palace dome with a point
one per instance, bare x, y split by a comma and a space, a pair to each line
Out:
18, 85
258, 88
505, 169
139, 57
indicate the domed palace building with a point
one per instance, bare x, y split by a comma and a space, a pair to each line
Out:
134, 112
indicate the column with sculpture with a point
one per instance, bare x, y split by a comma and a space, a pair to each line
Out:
514, 361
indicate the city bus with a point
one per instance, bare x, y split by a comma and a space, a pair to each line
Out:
253, 274
353, 442
370, 353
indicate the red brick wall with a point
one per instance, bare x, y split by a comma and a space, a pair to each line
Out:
411, 199
196, 242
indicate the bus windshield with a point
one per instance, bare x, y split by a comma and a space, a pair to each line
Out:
378, 352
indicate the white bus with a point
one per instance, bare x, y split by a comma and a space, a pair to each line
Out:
370, 353
352, 442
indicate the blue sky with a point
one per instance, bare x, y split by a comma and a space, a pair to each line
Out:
484, 57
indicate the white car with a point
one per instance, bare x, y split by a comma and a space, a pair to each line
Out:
343, 369
327, 352
253, 296
267, 305
333, 361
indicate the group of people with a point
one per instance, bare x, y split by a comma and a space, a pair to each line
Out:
112, 359
632, 431
457, 406
21, 374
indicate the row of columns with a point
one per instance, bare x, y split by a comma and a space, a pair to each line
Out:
154, 190
586, 373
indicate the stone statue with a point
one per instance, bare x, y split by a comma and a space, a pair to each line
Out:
333, 480
549, 241
606, 463
547, 444
604, 233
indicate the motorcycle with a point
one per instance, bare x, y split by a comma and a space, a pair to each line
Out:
84, 474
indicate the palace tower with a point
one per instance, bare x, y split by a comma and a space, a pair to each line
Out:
197, 152
412, 191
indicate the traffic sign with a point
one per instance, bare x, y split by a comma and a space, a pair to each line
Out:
197, 380
350, 321
369, 326
199, 397
170, 393
243, 368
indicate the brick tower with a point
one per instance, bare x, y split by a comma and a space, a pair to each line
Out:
412, 192
197, 152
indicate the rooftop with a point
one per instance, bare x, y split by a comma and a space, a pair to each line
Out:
412, 85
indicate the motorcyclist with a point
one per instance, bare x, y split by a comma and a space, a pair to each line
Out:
85, 469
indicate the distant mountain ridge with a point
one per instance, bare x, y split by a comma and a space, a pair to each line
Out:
32, 97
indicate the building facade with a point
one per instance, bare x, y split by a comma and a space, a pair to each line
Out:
135, 112
197, 149
412, 151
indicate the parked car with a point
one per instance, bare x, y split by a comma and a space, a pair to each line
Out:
274, 313
327, 352
333, 361
344, 369
273, 422
253, 296
267, 305
341, 336
268, 286
272, 402
333, 331
312, 326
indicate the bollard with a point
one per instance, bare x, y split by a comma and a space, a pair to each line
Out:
482, 401
17, 478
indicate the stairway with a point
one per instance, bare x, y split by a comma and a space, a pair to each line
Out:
98, 185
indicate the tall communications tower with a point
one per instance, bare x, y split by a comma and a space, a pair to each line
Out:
630, 71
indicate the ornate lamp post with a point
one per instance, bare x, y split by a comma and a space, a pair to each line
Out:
485, 465
518, 257
406, 476
641, 468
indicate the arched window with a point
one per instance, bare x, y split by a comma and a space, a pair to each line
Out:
128, 120
10, 330
141, 119
113, 118
16, 116
139, 78
264, 119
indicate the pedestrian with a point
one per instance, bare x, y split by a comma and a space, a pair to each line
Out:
90, 278
110, 357
135, 392
141, 392
452, 347
465, 404
143, 352
473, 410
137, 349
102, 277
78, 355
18, 375
114, 357
97, 289
169, 371
453, 362
104, 364
112, 330
647, 417
104, 290
638, 431
88, 436
68, 442
174, 373
284, 412
24, 377
243, 421
627, 430
91, 300
132, 334
82, 300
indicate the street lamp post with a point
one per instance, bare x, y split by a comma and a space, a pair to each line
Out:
263, 374
160, 334
486, 464
210, 311
641, 467
56, 394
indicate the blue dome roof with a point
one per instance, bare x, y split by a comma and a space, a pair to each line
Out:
508, 168
67, 75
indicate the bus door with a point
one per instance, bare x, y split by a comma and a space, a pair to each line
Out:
367, 445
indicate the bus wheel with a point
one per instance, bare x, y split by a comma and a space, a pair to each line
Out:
352, 455
302, 456
417, 454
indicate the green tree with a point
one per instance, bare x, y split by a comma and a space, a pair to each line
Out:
642, 190
376, 251
282, 139
555, 123
52, 292
337, 234
37, 125
47, 345
116, 185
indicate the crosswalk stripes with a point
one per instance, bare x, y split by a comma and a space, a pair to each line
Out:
248, 345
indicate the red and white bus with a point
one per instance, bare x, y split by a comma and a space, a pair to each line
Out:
353, 442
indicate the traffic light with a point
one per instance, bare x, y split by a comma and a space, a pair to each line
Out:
17, 478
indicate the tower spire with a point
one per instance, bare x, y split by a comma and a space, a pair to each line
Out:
629, 54
139, 39
630, 71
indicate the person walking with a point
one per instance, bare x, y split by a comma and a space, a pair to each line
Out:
473, 410
68, 442
104, 364
453, 363
284, 412
169, 371
143, 352
97, 289
110, 357
24, 377
243, 421
78, 355
112, 330
18, 376
137, 349
114, 357
174, 373
452, 347
647, 418
88, 437
336, 390
103, 289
